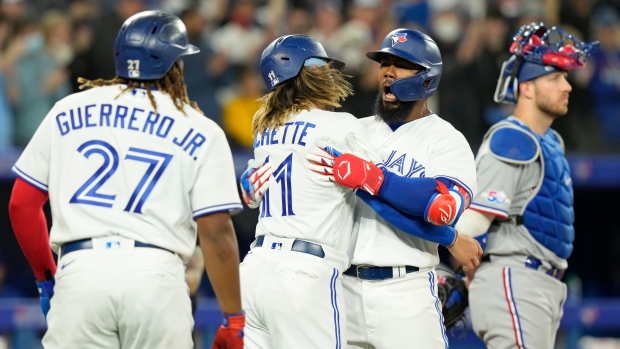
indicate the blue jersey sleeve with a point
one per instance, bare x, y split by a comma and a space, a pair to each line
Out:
410, 224
418, 192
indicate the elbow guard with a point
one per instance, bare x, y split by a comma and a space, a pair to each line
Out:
447, 204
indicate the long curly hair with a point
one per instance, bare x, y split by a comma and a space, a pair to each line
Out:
321, 87
171, 83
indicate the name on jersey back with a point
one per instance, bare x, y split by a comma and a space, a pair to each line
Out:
133, 119
292, 133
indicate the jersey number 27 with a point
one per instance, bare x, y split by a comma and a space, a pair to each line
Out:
89, 193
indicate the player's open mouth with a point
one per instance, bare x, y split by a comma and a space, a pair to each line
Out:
388, 95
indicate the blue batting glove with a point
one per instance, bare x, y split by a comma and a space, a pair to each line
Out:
46, 292
254, 181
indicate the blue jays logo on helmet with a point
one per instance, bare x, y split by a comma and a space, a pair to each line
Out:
418, 48
398, 37
285, 56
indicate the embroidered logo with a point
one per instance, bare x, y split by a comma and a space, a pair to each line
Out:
496, 197
398, 38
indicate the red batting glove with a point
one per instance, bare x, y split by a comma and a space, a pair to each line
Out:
354, 172
230, 334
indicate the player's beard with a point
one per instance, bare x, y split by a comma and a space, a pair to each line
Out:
551, 109
392, 112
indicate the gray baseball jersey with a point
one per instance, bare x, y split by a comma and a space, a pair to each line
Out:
504, 188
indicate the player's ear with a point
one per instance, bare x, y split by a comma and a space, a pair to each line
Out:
526, 89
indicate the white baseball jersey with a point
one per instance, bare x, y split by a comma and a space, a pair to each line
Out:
113, 166
427, 147
297, 204
294, 299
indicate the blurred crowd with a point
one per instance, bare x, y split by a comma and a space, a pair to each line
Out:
45, 45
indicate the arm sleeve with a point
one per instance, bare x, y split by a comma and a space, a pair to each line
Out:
451, 161
419, 192
474, 223
30, 226
443, 235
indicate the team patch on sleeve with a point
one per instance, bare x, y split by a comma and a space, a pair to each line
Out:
495, 197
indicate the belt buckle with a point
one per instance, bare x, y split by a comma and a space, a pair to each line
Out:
557, 273
357, 269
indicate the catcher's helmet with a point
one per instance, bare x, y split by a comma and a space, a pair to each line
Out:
537, 51
415, 47
285, 56
148, 44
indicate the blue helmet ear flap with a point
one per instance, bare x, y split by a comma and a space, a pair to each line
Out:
413, 88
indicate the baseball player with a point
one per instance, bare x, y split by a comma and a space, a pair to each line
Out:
291, 279
134, 172
525, 198
391, 288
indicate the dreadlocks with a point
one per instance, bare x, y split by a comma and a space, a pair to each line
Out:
172, 83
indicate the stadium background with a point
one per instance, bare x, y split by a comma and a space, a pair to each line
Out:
46, 44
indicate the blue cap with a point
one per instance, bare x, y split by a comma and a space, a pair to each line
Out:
530, 71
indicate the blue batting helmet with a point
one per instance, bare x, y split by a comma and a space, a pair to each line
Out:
148, 44
538, 51
418, 48
286, 55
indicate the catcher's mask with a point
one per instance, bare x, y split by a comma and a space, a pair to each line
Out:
538, 51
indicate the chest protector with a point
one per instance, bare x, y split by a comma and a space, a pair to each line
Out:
548, 214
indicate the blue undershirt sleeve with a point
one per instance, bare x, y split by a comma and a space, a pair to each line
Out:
416, 226
409, 195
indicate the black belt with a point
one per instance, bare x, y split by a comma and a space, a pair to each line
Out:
298, 246
88, 244
534, 263
375, 273
516, 219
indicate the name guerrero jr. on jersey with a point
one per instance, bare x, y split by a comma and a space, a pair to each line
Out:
130, 118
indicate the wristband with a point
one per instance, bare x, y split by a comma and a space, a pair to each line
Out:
456, 237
